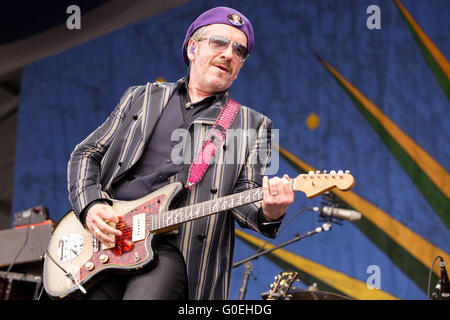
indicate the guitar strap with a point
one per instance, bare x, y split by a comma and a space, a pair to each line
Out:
212, 142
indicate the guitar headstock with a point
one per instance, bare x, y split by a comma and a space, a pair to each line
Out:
316, 183
283, 282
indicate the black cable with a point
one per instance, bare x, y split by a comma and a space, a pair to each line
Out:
19, 252
261, 248
429, 274
23, 246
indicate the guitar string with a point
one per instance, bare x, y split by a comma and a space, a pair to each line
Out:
160, 218
204, 207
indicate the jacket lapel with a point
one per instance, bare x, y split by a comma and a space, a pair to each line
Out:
156, 97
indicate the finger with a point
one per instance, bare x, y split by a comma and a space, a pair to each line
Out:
266, 187
103, 225
103, 236
97, 225
287, 188
107, 240
106, 228
107, 213
102, 216
274, 189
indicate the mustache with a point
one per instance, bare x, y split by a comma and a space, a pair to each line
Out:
225, 64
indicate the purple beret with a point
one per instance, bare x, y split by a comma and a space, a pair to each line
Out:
223, 15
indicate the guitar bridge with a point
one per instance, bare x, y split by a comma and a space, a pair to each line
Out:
113, 243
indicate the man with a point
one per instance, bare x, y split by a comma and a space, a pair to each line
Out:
131, 155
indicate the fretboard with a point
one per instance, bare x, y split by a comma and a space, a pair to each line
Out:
173, 217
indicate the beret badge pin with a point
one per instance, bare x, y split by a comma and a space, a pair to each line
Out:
235, 20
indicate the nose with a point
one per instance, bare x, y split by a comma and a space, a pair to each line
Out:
228, 52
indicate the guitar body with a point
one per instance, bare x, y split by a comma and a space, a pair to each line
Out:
78, 252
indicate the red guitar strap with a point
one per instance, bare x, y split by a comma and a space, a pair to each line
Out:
212, 142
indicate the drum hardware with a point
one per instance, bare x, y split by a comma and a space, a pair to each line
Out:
302, 294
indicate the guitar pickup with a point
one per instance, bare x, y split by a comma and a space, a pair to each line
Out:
138, 227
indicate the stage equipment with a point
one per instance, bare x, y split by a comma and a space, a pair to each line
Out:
284, 289
20, 286
23, 248
443, 284
24, 244
30, 216
324, 227
338, 213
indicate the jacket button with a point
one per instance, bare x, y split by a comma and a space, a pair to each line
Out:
213, 190
224, 147
135, 117
201, 236
120, 163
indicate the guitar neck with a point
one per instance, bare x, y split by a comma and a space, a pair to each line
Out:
312, 184
174, 217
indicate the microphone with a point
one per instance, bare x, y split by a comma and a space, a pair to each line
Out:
342, 214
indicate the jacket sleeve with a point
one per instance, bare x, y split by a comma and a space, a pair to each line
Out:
83, 170
251, 216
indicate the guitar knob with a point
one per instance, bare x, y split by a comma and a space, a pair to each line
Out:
104, 258
89, 266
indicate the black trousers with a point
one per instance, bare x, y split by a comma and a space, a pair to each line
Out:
166, 281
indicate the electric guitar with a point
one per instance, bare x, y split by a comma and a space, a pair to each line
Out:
75, 257
283, 283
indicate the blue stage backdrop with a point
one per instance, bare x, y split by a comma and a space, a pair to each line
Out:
349, 86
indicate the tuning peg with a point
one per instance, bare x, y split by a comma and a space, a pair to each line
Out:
340, 172
317, 172
347, 171
311, 173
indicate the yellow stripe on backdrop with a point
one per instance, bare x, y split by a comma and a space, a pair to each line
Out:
431, 47
437, 174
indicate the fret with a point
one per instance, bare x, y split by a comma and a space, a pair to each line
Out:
206, 208
197, 210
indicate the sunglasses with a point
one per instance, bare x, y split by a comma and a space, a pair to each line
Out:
220, 43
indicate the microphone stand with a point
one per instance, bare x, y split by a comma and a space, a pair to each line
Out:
325, 227
248, 268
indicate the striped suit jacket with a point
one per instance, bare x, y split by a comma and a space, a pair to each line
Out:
206, 244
